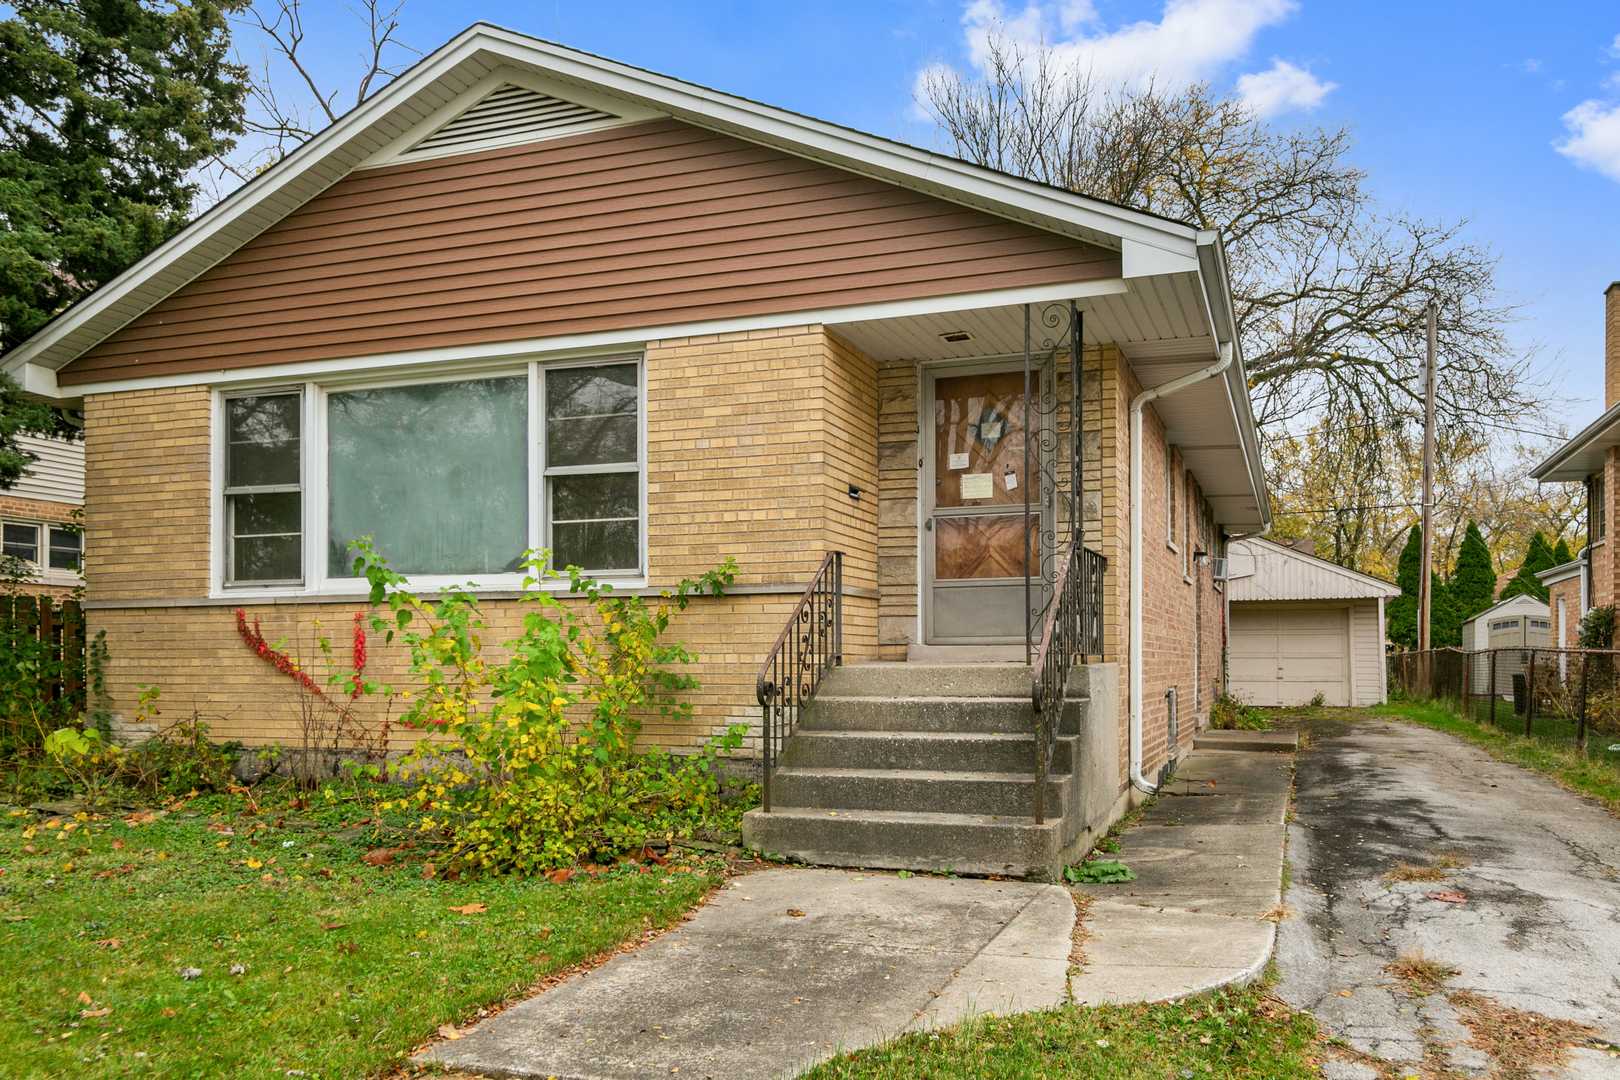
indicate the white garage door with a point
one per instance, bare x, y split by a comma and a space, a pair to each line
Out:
1286, 654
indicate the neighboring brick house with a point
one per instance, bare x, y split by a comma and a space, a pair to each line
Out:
39, 517
1591, 458
526, 297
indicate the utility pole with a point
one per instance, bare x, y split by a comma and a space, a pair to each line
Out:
1425, 599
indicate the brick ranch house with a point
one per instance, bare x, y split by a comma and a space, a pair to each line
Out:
527, 297
1591, 458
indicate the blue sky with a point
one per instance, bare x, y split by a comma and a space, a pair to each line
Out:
1459, 108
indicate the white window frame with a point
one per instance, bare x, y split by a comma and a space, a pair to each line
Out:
314, 465
44, 572
223, 534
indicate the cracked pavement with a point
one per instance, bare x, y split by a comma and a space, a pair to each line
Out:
1539, 930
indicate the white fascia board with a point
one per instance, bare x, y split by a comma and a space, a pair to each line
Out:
604, 342
1138, 259
1553, 575
1583, 454
39, 381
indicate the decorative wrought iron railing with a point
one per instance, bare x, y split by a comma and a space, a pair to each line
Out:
1074, 628
811, 645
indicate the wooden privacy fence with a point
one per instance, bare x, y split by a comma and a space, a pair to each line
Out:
1556, 695
61, 628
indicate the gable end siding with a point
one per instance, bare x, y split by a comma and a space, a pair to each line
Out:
644, 225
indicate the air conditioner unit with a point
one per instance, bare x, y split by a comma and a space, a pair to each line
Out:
1217, 569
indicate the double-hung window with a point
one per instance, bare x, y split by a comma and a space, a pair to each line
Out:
61, 549
264, 491
452, 480
593, 479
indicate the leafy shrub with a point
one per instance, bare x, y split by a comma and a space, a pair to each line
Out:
1596, 630
1229, 714
536, 765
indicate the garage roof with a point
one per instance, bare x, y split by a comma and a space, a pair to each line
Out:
1262, 570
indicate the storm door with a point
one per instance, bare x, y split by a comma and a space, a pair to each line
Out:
974, 542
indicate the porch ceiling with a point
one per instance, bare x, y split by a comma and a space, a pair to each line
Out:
1162, 328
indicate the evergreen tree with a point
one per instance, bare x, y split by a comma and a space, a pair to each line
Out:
1445, 615
1561, 553
1400, 614
107, 109
1539, 557
1473, 581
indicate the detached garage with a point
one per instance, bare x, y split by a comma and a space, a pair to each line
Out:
1299, 626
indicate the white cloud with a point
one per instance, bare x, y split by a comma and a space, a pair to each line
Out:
1193, 39
1594, 136
1282, 88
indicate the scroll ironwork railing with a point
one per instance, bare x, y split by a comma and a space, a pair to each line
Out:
811, 645
1074, 624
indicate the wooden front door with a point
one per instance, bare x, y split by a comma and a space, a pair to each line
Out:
974, 544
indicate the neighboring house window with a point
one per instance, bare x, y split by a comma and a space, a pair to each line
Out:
593, 479
264, 519
61, 548
67, 549
22, 541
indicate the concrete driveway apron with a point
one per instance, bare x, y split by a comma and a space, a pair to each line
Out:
783, 968
1539, 929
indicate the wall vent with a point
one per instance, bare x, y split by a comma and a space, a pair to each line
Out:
506, 117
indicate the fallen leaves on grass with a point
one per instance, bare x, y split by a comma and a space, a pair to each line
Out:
1418, 973
448, 1031
1520, 1042
560, 876
333, 925
91, 1014
110, 943
471, 909
380, 856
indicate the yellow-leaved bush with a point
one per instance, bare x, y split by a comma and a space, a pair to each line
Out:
536, 766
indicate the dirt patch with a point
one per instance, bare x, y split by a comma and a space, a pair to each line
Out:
1519, 1042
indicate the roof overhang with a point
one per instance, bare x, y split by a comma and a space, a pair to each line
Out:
1554, 574
1171, 271
1583, 455
1278, 573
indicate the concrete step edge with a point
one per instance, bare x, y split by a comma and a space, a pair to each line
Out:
941, 818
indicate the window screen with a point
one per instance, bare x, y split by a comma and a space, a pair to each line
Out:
593, 471
66, 549
264, 488
21, 541
436, 474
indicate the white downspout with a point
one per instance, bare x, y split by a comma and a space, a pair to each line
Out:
1134, 643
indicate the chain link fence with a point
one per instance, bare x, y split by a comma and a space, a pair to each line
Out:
1564, 697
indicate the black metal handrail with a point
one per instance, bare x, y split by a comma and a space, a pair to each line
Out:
811, 645
1073, 628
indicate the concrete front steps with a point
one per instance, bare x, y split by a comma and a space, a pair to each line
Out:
928, 766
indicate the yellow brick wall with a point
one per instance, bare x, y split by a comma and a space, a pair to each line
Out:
753, 441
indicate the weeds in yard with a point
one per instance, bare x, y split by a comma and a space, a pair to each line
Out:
1227, 713
1419, 974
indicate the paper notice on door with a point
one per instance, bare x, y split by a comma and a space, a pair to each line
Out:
957, 462
990, 430
976, 485
1010, 480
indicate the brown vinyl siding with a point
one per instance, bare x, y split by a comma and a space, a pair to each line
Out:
647, 225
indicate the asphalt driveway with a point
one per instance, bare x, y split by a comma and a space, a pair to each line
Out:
1522, 905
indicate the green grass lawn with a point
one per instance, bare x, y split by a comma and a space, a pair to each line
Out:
345, 965
1597, 777
1232, 1034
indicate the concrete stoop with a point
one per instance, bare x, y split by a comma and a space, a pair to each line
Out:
931, 766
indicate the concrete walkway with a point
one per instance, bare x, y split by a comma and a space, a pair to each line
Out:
782, 969
1537, 870
1208, 858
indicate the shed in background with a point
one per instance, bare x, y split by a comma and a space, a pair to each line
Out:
1299, 626
1518, 620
